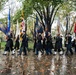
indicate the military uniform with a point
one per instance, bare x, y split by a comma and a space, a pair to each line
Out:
38, 43
68, 44
58, 43
9, 45
23, 44
49, 45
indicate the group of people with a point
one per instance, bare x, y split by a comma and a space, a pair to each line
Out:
11, 47
43, 42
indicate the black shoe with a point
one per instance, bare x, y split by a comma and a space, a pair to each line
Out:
25, 54
4, 54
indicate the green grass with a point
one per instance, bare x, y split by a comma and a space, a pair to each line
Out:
30, 45
3, 44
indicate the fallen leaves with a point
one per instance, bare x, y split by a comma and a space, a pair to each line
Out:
6, 70
25, 65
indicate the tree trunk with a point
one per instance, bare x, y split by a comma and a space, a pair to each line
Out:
46, 16
66, 24
49, 28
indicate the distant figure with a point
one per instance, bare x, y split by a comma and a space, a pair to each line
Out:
9, 45
69, 43
38, 43
23, 44
58, 43
49, 44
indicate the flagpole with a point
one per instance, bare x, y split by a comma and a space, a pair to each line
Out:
8, 24
9, 17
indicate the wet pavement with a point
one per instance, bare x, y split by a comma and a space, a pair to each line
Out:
37, 65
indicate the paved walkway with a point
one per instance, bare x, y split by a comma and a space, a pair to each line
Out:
37, 65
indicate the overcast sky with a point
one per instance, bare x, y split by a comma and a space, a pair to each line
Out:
13, 4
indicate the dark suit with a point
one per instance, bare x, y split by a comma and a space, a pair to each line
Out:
58, 43
9, 45
38, 44
49, 45
69, 44
23, 44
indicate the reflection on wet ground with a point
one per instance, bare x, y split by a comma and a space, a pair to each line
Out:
32, 65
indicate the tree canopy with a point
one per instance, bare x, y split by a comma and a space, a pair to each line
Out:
46, 10
2, 2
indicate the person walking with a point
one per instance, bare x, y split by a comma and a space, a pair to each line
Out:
23, 44
57, 44
69, 43
9, 45
49, 44
38, 43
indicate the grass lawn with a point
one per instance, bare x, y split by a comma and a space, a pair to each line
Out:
3, 44
30, 45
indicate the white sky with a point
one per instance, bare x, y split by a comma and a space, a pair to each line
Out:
13, 4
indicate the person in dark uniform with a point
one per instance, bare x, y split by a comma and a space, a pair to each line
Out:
69, 43
57, 43
16, 45
38, 43
9, 45
23, 44
49, 45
